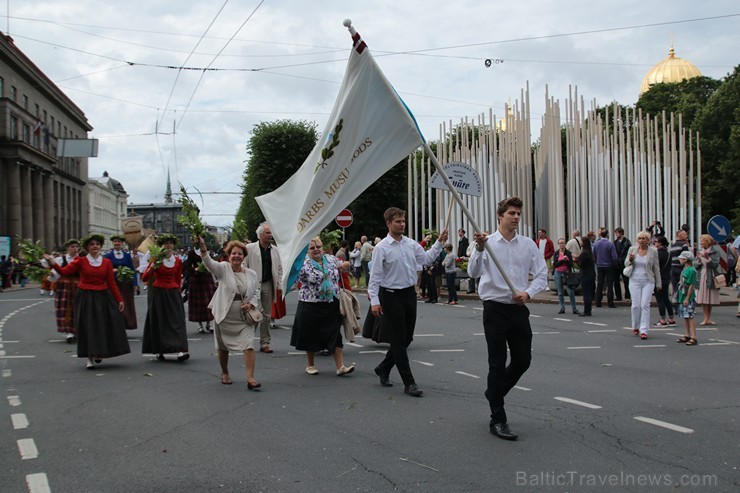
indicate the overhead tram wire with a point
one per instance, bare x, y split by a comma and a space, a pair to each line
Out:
215, 58
174, 84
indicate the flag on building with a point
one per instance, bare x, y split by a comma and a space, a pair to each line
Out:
369, 131
37, 128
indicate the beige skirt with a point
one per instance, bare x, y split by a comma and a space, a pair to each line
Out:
232, 334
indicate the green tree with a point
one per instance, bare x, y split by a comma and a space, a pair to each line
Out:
718, 123
277, 149
687, 97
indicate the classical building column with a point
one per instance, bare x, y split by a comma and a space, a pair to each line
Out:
14, 200
48, 211
37, 204
26, 202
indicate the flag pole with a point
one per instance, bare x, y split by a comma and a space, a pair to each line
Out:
467, 213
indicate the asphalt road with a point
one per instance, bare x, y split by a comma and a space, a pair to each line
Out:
598, 410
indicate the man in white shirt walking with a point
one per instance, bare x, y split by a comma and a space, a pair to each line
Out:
392, 294
505, 316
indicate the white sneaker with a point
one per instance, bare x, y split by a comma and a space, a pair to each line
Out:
345, 370
42, 292
51, 293
311, 370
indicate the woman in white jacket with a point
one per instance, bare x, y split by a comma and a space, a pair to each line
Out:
238, 292
643, 269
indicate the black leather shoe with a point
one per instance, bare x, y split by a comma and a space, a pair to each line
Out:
502, 430
612, 305
581, 314
413, 390
384, 381
562, 310
598, 305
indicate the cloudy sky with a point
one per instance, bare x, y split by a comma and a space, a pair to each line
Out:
277, 59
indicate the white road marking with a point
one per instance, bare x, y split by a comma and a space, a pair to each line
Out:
707, 328
577, 403
599, 331
372, 352
422, 362
522, 388
2, 353
355, 344
19, 421
649, 345
467, 374
716, 344
38, 483
563, 319
479, 334
7, 373
597, 324
27, 448
297, 353
533, 316
446, 350
14, 400
660, 329
627, 328
481, 309
721, 340
664, 424
550, 332
428, 335
584, 347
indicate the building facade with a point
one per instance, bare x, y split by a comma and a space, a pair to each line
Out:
42, 197
162, 218
107, 201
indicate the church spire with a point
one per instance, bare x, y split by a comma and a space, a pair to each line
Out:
168, 191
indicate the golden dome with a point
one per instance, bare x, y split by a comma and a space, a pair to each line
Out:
672, 69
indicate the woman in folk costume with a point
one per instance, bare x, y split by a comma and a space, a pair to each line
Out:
64, 292
164, 330
98, 323
200, 291
120, 259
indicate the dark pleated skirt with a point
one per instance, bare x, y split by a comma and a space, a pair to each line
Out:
372, 328
200, 291
100, 330
317, 327
164, 330
129, 310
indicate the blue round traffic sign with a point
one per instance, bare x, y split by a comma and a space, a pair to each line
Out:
718, 228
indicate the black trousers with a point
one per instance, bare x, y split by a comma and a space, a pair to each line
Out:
605, 274
587, 286
618, 279
399, 320
504, 325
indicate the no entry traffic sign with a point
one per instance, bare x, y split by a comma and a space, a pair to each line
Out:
344, 219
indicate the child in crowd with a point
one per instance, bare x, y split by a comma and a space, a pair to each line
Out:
687, 298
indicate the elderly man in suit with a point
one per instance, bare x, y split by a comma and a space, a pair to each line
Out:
262, 257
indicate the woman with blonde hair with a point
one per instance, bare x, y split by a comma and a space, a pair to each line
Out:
706, 264
317, 319
643, 268
237, 294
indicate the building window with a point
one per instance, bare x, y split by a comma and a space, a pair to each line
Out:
38, 112
45, 117
25, 102
13, 128
2, 86
26, 133
13, 93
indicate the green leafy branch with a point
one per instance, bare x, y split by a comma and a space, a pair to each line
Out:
156, 255
328, 152
32, 253
124, 274
190, 217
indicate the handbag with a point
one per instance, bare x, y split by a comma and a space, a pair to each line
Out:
251, 317
573, 279
627, 270
720, 281
278, 306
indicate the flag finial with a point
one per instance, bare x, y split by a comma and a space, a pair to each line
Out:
359, 44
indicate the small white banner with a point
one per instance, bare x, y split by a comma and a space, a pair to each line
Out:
463, 177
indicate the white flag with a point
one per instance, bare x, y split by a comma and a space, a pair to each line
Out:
369, 131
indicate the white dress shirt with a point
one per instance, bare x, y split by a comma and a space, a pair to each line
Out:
520, 257
394, 264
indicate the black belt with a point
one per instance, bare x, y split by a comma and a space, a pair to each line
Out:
396, 290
